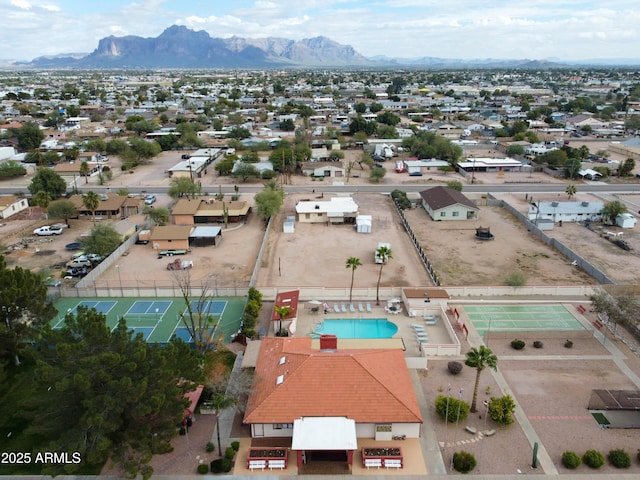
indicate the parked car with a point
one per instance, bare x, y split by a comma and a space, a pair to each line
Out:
81, 261
52, 282
47, 231
73, 246
186, 156
178, 264
94, 258
76, 272
149, 199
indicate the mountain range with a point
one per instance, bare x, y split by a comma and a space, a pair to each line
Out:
181, 47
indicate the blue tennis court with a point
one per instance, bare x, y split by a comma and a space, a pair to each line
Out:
210, 307
506, 318
145, 331
183, 334
142, 307
100, 306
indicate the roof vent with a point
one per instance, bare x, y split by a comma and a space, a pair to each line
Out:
585, 204
280, 379
317, 207
282, 360
554, 204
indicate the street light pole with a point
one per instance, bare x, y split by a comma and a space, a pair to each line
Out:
486, 414
157, 309
120, 280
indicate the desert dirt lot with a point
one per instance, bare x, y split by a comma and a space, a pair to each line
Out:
551, 391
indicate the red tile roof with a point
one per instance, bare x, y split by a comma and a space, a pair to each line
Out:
286, 299
370, 385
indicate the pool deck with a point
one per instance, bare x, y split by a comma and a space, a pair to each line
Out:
405, 338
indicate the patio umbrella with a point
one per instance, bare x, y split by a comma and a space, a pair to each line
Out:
313, 303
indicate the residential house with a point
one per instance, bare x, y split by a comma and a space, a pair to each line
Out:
323, 169
109, 206
336, 210
12, 205
444, 203
288, 322
352, 393
208, 210
540, 212
170, 237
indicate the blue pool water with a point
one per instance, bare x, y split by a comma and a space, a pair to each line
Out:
358, 328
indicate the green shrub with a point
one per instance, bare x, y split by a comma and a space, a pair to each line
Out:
455, 407
227, 464
235, 445
183, 431
454, 367
210, 447
203, 468
216, 466
538, 344
568, 344
571, 460
639, 455
593, 459
229, 452
501, 409
619, 458
517, 344
515, 279
464, 462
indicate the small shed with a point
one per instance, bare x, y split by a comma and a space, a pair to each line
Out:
363, 223
626, 220
202, 236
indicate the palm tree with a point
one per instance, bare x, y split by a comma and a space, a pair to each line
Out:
570, 191
480, 358
91, 202
221, 402
352, 263
383, 253
84, 171
282, 313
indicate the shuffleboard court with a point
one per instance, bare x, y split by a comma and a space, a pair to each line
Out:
508, 318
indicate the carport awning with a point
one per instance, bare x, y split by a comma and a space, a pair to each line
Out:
324, 433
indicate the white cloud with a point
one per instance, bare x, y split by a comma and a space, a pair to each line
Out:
21, 4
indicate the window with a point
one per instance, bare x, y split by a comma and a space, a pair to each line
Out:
443, 214
456, 214
282, 426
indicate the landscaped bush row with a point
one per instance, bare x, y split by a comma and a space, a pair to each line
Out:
618, 457
518, 344
221, 465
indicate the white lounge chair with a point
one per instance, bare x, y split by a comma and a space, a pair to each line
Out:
336, 308
343, 308
417, 325
369, 307
352, 308
360, 307
419, 329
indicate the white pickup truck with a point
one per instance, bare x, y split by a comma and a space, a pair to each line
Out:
48, 230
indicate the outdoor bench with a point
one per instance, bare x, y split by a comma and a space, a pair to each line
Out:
276, 464
253, 464
392, 463
372, 462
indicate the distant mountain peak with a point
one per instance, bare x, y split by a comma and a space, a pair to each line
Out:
180, 47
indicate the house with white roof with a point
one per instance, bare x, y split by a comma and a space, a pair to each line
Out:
335, 211
565, 211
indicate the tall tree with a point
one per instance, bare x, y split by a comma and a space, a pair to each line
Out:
84, 171
383, 253
570, 191
282, 312
46, 180
103, 240
612, 210
220, 402
108, 394
196, 318
90, 201
269, 201
480, 358
24, 308
63, 210
180, 186
42, 199
353, 263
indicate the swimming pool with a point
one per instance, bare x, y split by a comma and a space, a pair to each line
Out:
358, 328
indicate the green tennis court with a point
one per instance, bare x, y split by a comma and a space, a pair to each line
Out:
507, 318
157, 319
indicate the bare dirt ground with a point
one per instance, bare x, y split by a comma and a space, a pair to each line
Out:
553, 394
315, 255
460, 259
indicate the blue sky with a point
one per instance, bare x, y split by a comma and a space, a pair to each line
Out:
463, 29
